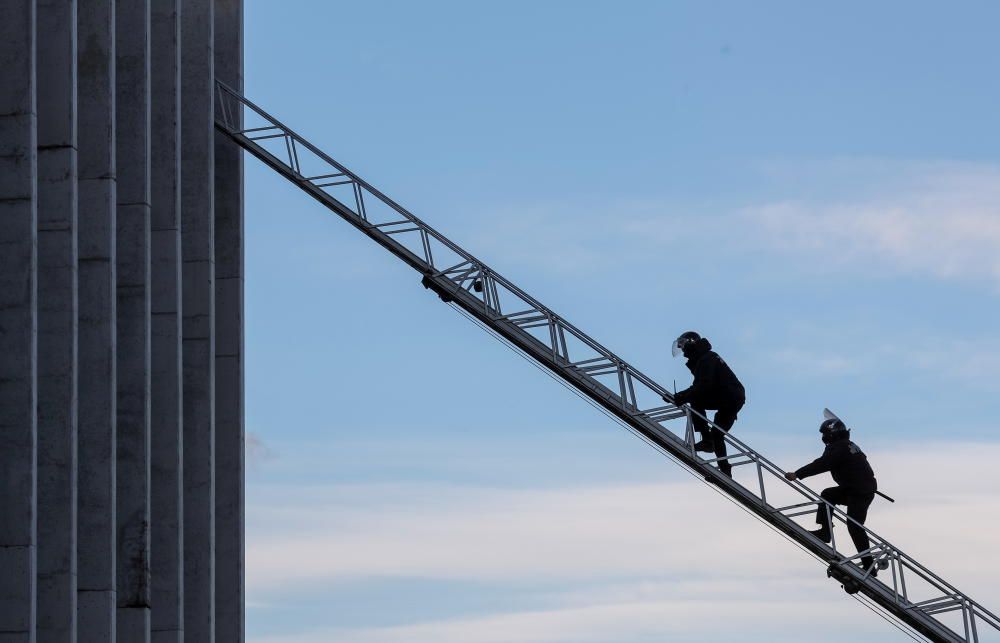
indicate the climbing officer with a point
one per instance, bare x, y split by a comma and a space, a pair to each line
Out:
856, 484
715, 387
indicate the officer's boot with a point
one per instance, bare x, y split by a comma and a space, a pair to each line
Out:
823, 533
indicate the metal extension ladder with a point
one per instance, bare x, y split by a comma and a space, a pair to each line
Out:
911, 594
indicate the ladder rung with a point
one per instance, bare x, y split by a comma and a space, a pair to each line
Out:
805, 512
258, 129
934, 603
325, 176
389, 223
329, 184
264, 138
812, 503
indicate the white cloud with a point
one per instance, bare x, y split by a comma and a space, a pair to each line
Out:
565, 238
673, 614
971, 361
906, 234
809, 361
615, 542
937, 219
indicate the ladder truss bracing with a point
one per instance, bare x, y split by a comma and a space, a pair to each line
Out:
906, 589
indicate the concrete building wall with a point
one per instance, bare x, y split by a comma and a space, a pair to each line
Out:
18, 321
57, 320
121, 388
167, 393
97, 390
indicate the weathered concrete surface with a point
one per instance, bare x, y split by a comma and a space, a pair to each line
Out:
197, 246
96, 524
18, 321
229, 403
57, 320
133, 300
129, 301
167, 392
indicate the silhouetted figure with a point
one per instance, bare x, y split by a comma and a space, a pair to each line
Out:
715, 387
855, 480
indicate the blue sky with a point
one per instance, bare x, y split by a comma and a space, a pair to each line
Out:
815, 188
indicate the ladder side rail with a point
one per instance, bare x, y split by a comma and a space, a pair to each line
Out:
548, 354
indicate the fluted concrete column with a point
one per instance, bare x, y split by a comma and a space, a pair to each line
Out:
229, 361
97, 392
18, 321
197, 247
57, 320
167, 391
133, 358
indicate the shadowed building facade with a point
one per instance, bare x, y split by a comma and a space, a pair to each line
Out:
121, 323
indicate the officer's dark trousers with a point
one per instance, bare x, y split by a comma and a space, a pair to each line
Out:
725, 418
857, 508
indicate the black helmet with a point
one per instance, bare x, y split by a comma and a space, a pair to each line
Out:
689, 337
833, 428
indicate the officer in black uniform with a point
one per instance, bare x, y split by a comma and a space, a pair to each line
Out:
856, 484
715, 387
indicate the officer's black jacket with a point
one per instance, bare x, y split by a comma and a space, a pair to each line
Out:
848, 465
715, 385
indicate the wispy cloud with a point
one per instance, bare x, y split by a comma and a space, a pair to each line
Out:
936, 219
567, 238
948, 227
970, 361
675, 613
616, 543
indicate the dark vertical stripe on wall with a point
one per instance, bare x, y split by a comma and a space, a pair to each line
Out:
97, 391
132, 120
18, 321
167, 392
57, 320
229, 360
197, 249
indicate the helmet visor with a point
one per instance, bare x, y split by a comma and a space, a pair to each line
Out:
675, 348
830, 415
